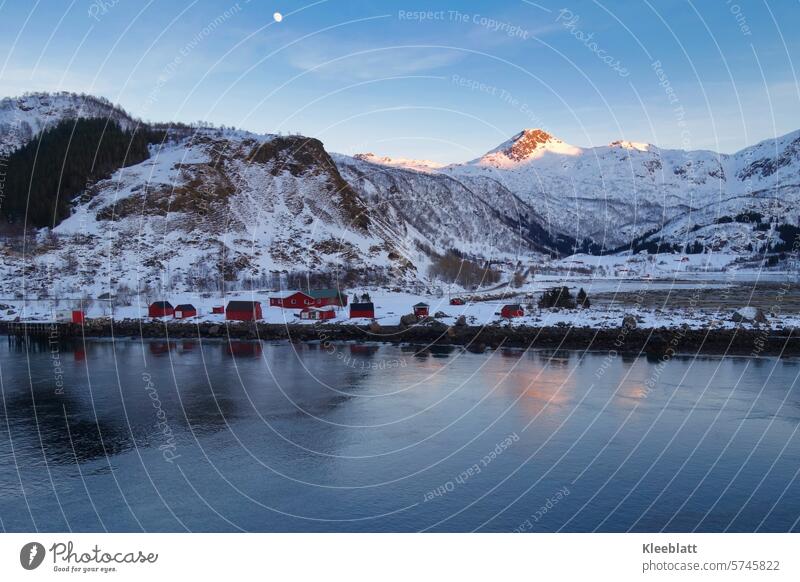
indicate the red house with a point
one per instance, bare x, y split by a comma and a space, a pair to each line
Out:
160, 309
318, 313
362, 310
218, 309
421, 310
324, 297
185, 310
78, 316
243, 310
457, 301
291, 300
513, 310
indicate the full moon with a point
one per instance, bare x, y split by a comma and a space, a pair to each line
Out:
277, 16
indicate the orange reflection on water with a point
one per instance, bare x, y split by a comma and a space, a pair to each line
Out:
629, 382
539, 385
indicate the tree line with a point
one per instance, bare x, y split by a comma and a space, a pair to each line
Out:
44, 176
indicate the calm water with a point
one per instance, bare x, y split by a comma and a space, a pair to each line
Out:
277, 437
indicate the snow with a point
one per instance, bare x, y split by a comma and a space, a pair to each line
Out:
22, 118
391, 306
748, 312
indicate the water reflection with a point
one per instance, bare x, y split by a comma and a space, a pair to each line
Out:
243, 349
333, 432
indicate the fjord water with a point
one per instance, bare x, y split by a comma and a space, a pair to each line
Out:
256, 436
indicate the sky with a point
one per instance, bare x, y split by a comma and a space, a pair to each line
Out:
439, 80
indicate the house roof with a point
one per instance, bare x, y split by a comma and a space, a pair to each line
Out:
324, 293
287, 294
185, 307
363, 305
514, 306
243, 305
161, 304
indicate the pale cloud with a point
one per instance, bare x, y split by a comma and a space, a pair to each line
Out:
360, 63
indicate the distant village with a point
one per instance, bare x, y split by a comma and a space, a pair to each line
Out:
316, 304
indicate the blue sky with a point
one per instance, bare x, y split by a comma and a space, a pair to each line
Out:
446, 85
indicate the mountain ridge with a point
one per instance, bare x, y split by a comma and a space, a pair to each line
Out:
216, 207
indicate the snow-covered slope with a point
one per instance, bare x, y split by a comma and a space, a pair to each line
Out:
441, 212
221, 206
22, 118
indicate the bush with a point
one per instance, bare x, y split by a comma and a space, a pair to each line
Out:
583, 299
557, 297
452, 267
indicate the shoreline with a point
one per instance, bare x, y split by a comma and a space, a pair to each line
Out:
654, 342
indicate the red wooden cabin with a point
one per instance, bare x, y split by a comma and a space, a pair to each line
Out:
185, 310
243, 310
362, 310
457, 301
291, 300
218, 309
78, 316
318, 313
513, 310
421, 310
160, 309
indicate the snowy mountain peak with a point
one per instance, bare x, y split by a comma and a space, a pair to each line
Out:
527, 145
632, 145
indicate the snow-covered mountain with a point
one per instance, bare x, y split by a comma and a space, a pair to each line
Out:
22, 118
212, 206
626, 190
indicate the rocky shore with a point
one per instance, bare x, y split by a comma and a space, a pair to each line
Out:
742, 341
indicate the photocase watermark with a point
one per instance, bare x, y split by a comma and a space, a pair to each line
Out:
680, 117
352, 360
741, 20
100, 8
473, 470
169, 448
169, 70
31, 555
761, 339
569, 20
510, 30
543, 510
503, 95
672, 347
619, 341
54, 343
